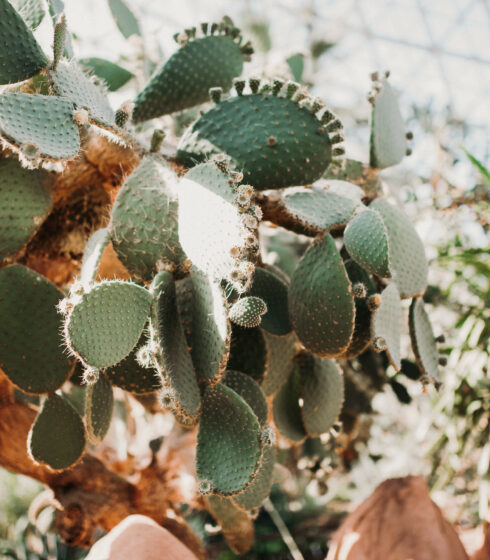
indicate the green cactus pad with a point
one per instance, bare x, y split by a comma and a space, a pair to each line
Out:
248, 352
321, 305
358, 173
24, 204
31, 348
322, 391
236, 524
273, 290
180, 375
32, 11
20, 55
248, 311
422, 337
184, 289
388, 143
41, 124
92, 255
274, 141
57, 437
211, 223
280, 353
408, 263
361, 338
112, 75
319, 209
366, 240
286, 408
106, 323
250, 392
144, 227
228, 441
186, 77
387, 324
255, 494
70, 81
210, 328
98, 408
132, 376
345, 189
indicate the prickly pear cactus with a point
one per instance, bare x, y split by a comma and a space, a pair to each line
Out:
166, 291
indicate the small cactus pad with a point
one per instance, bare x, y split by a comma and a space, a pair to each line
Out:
131, 376
20, 55
343, 188
180, 375
144, 220
361, 338
92, 255
32, 11
99, 404
40, 126
273, 140
366, 240
236, 524
70, 81
24, 204
111, 74
57, 437
322, 391
213, 227
388, 143
273, 290
228, 441
358, 173
319, 209
186, 77
106, 323
386, 325
422, 337
408, 264
250, 392
321, 305
248, 352
280, 353
254, 495
184, 290
31, 351
210, 328
248, 311
286, 408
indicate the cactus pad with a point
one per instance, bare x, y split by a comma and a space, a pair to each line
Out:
210, 328
144, 220
212, 228
273, 290
248, 311
386, 325
186, 77
44, 124
286, 408
322, 391
106, 323
280, 353
273, 140
250, 392
31, 351
92, 255
319, 209
366, 240
422, 337
254, 495
248, 352
71, 82
408, 263
24, 204
388, 143
228, 441
32, 11
57, 437
20, 55
99, 404
180, 375
321, 305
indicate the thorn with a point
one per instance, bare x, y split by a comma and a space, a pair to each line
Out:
327, 117
214, 28
239, 86
300, 95
271, 141
336, 139
338, 151
409, 135
317, 105
254, 84
277, 85
204, 28
334, 126
266, 88
215, 94
291, 89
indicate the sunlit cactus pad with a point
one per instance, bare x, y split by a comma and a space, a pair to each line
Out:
20, 55
31, 347
99, 405
423, 341
186, 77
39, 126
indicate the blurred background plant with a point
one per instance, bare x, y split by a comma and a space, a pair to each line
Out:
438, 56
